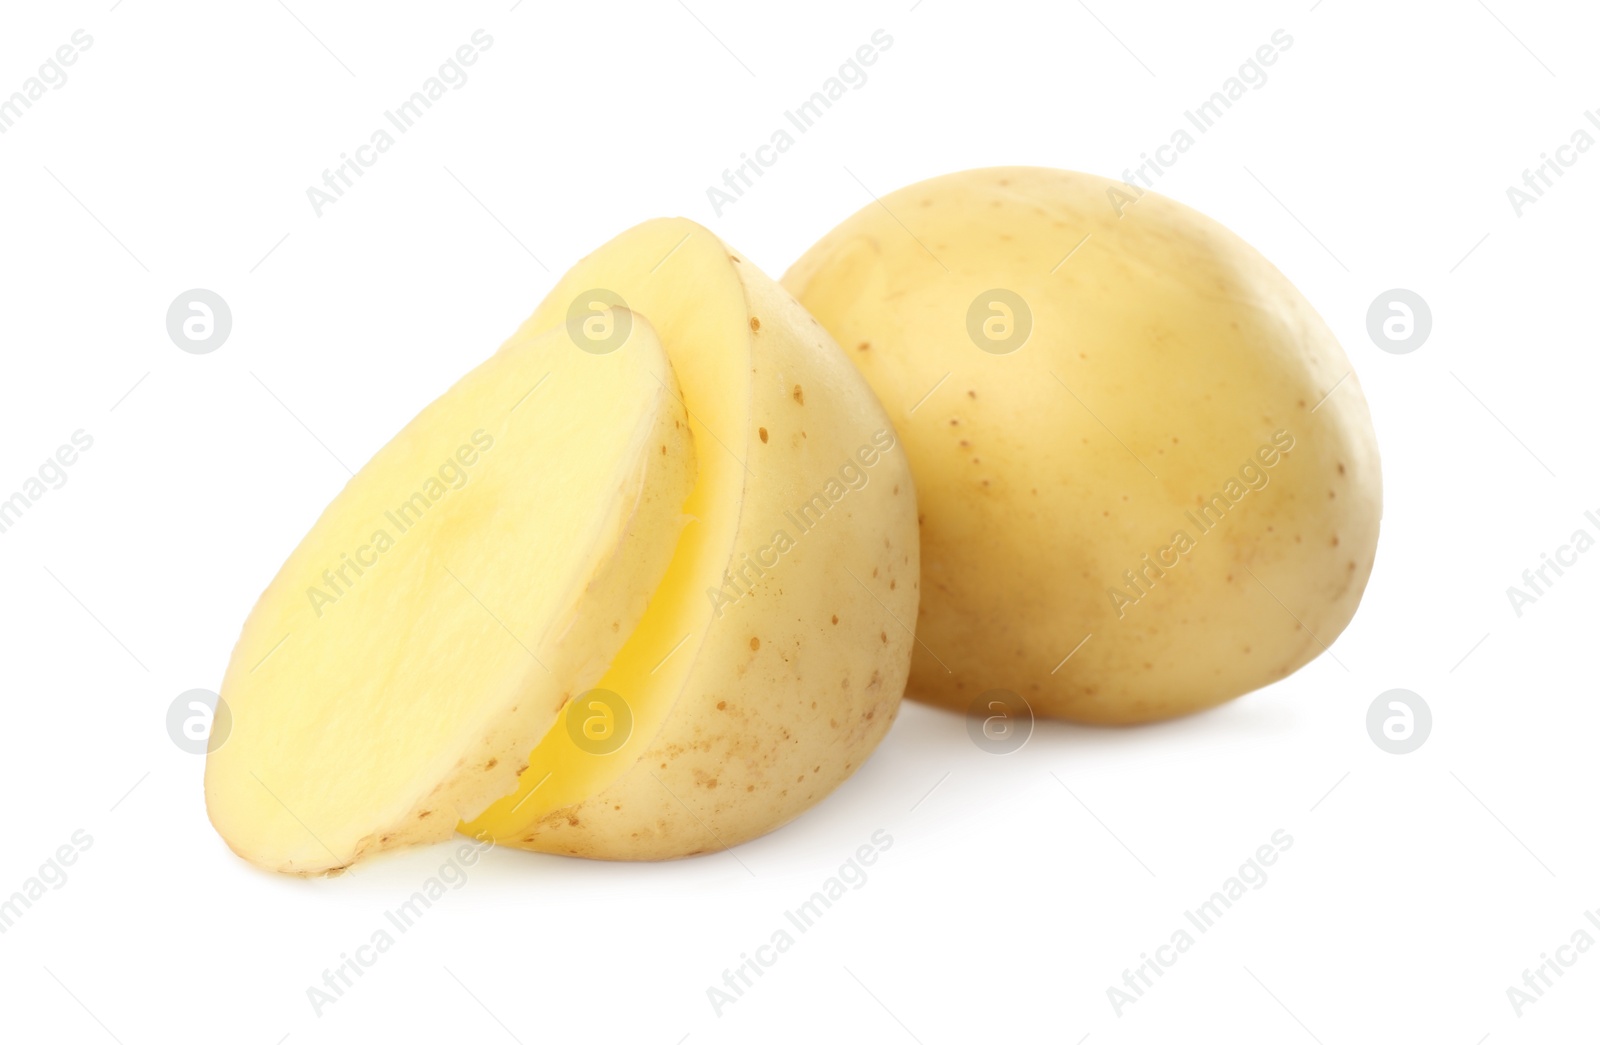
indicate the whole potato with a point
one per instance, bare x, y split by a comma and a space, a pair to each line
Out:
1147, 478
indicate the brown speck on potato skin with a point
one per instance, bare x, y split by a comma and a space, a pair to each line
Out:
424, 814
755, 323
799, 395
836, 618
722, 705
883, 637
864, 346
755, 643
762, 432
491, 764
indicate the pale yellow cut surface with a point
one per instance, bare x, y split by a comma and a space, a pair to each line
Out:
483, 569
754, 689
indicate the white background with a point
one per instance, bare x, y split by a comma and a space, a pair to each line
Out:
1018, 888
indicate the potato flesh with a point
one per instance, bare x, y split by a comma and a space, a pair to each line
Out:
380, 716
1164, 353
743, 718
662, 270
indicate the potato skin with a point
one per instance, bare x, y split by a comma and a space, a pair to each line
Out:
1164, 361
796, 682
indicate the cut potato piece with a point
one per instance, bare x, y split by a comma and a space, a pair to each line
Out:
704, 547
773, 657
483, 569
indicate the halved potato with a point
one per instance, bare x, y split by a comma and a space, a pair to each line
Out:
480, 571
774, 655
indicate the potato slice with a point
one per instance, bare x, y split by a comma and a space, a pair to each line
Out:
773, 657
482, 570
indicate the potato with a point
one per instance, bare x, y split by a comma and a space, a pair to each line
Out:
773, 657
1148, 478
483, 566
667, 609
